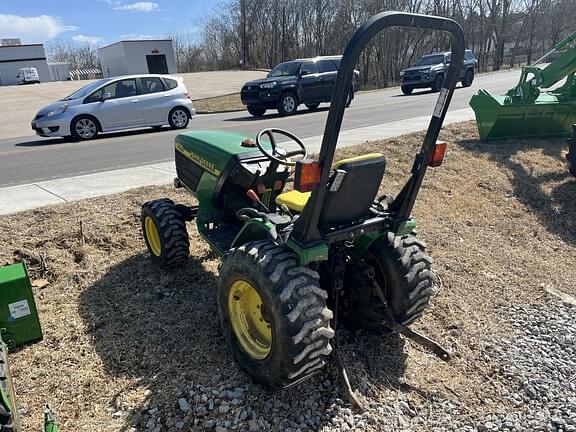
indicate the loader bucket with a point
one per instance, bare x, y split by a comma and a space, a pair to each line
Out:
498, 117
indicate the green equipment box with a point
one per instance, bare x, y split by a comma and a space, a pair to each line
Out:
18, 315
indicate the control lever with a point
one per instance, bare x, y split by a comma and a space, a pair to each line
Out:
254, 198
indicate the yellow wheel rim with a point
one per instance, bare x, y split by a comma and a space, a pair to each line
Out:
152, 236
249, 320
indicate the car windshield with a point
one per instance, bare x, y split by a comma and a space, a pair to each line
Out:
285, 69
86, 90
430, 60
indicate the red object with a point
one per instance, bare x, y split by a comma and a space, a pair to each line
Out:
248, 142
307, 175
438, 154
252, 195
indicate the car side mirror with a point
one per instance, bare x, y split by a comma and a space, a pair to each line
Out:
304, 72
105, 96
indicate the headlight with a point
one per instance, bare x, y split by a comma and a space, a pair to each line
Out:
59, 110
268, 85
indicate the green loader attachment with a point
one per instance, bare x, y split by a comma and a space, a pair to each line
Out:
525, 111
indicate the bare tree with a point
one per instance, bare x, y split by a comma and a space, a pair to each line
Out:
498, 31
77, 57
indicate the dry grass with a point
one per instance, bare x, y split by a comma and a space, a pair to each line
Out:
224, 103
499, 220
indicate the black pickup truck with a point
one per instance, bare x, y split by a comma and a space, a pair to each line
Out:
303, 81
430, 70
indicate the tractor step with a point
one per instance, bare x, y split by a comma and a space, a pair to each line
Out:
188, 213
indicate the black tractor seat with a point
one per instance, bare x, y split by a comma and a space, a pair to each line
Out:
352, 188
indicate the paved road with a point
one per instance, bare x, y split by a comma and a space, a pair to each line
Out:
32, 159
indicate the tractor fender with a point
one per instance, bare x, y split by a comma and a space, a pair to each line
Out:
254, 230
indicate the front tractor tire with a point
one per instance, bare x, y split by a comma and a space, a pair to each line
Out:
165, 233
273, 314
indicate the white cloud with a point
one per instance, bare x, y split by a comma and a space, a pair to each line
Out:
138, 7
137, 36
32, 29
89, 40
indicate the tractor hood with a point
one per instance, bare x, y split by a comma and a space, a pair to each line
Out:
212, 150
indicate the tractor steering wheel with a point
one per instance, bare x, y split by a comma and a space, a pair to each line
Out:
280, 155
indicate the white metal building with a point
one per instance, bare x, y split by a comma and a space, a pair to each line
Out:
14, 57
59, 71
138, 57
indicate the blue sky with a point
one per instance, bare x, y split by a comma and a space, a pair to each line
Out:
100, 22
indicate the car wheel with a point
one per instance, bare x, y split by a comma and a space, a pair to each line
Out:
288, 104
468, 78
313, 106
438, 83
256, 111
178, 118
406, 90
84, 128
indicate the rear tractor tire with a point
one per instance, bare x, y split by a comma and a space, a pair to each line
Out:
273, 314
165, 233
402, 270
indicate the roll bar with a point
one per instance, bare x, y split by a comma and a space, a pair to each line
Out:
306, 227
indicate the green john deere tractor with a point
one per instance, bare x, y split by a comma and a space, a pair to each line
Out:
294, 261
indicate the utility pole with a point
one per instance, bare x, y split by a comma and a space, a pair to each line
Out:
243, 19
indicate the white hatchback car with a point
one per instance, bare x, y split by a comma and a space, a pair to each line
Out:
112, 104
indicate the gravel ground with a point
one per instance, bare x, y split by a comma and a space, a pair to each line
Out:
538, 365
535, 368
129, 347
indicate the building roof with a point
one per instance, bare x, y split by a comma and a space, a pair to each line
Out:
20, 46
136, 40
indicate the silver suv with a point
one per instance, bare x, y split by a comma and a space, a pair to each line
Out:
117, 103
